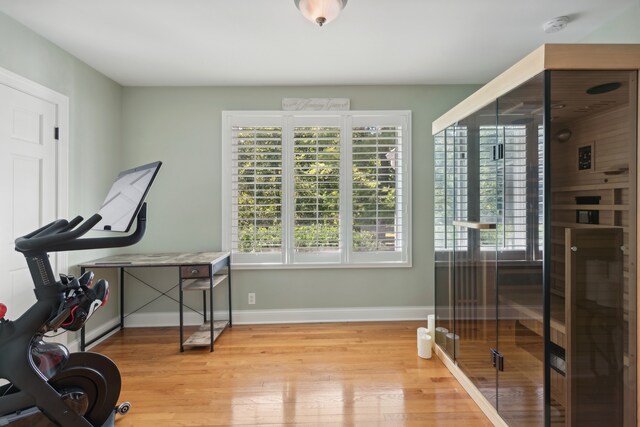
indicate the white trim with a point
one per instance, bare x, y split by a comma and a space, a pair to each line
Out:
288, 204
346, 195
318, 315
62, 206
164, 319
61, 103
278, 266
262, 317
225, 166
307, 315
25, 85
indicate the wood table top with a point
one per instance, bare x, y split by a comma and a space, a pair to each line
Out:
157, 259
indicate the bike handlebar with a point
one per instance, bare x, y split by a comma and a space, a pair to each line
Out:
63, 235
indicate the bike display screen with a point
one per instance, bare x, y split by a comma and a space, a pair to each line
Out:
125, 197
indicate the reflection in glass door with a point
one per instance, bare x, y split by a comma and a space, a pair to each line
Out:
520, 178
445, 193
475, 263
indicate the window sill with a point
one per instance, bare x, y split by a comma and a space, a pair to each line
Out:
316, 266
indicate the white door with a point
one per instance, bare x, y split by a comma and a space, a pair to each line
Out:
27, 187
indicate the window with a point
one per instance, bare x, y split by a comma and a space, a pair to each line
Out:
257, 183
317, 189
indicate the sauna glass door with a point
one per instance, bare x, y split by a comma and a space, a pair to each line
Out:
519, 240
446, 188
593, 245
474, 229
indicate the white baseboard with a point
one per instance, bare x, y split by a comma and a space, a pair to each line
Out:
318, 315
257, 317
310, 315
162, 319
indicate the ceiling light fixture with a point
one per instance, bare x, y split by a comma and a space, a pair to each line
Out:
320, 11
556, 24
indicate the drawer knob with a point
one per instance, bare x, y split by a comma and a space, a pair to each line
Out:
195, 271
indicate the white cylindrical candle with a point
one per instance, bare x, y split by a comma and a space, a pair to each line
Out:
422, 331
424, 346
431, 322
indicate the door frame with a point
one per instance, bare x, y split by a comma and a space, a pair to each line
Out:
61, 102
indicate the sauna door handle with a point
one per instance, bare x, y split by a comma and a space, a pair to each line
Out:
475, 225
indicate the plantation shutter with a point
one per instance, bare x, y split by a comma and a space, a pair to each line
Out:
316, 187
440, 207
256, 193
378, 184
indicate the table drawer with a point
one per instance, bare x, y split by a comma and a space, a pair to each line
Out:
194, 271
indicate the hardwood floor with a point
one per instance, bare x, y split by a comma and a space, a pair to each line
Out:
339, 374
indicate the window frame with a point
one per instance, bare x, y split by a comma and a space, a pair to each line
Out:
347, 256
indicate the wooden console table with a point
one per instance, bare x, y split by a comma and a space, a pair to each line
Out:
197, 271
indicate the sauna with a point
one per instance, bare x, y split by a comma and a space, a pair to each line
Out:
535, 216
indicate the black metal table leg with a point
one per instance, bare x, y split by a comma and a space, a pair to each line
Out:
181, 314
121, 298
204, 305
211, 304
229, 287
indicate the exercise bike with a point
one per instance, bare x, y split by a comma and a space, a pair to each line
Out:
48, 386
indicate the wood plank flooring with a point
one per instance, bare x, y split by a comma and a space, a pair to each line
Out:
338, 374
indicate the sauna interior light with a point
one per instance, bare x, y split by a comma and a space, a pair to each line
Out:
563, 135
604, 88
320, 11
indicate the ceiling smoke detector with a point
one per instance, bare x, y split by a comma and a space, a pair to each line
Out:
556, 24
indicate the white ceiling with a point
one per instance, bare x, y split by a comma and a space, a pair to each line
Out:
268, 42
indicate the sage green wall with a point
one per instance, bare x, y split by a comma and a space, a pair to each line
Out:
623, 29
182, 127
95, 105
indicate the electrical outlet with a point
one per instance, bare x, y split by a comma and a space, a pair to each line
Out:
252, 298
